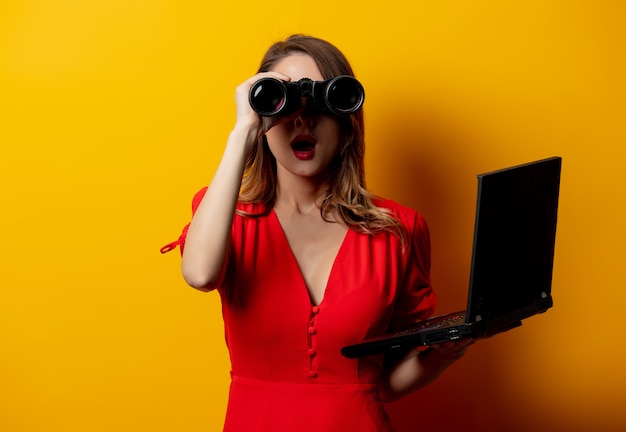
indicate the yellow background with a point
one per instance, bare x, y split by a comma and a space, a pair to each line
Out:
113, 113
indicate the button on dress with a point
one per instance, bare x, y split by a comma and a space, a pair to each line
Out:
288, 373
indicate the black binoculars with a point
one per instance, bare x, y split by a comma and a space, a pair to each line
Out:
341, 95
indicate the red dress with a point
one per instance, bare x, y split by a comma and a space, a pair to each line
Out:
287, 370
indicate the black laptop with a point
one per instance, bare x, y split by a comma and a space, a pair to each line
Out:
512, 261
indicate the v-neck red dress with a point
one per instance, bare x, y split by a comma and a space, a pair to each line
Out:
287, 370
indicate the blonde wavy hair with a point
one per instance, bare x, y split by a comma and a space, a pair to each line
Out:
346, 197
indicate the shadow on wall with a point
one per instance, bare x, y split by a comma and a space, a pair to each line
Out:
425, 165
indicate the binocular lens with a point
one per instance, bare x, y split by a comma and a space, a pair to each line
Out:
344, 95
341, 95
268, 96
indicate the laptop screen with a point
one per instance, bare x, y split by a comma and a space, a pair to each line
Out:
514, 237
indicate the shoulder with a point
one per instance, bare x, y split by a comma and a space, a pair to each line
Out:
392, 205
249, 209
197, 199
254, 210
408, 217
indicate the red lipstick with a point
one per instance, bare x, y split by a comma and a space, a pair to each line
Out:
303, 147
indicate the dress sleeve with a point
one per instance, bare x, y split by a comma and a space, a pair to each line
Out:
181, 239
415, 300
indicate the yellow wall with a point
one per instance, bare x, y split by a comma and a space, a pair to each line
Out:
114, 112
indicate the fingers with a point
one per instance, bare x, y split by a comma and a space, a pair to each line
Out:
270, 74
245, 113
454, 350
244, 87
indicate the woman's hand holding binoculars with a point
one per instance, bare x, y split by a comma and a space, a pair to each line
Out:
269, 98
247, 118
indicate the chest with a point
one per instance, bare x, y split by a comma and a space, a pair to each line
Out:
270, 295
315, 245
297, 266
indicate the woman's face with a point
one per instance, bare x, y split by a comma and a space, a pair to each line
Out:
303, 144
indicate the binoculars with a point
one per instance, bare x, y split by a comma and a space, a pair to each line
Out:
341, 95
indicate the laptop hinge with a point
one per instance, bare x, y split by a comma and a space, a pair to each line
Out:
545, 303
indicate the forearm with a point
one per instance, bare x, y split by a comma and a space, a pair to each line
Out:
208, 235
419, 368
209, 232
414, 371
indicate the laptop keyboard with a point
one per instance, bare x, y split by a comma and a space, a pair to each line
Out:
446, 320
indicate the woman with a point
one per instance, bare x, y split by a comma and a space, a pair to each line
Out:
306, 261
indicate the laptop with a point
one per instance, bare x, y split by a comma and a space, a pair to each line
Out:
512, 261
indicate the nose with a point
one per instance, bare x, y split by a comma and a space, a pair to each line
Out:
306, 115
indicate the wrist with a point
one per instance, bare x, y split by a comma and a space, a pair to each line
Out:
431, 360
244, 134
249, 122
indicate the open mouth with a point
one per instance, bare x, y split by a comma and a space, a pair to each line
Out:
303, 147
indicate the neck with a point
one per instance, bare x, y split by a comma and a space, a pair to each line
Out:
299, 194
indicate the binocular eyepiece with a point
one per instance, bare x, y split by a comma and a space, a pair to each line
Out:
341, 95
